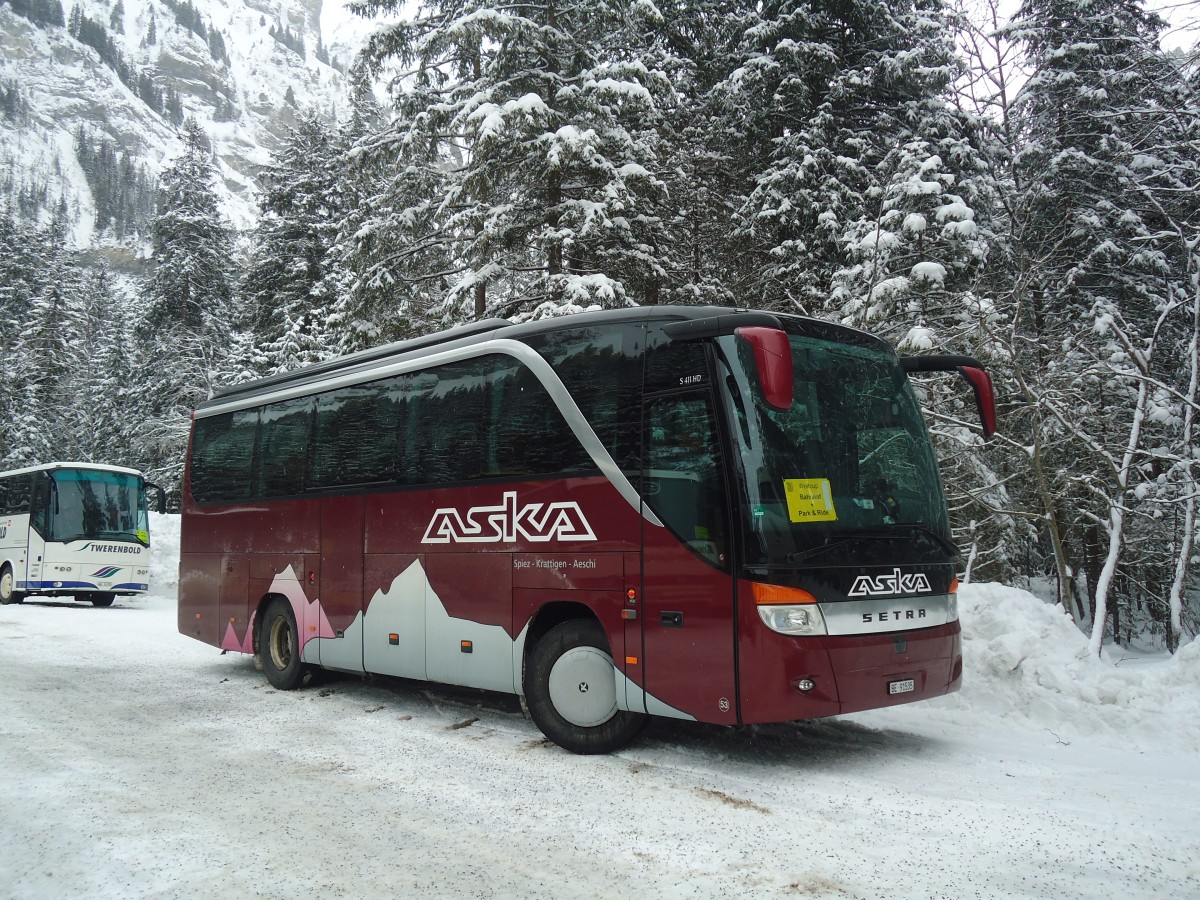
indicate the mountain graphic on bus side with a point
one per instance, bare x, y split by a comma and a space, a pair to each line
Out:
407, 632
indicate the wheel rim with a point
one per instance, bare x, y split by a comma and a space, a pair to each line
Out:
6, 585
280, 643
582, 687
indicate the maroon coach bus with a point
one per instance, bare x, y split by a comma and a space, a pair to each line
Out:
711, 514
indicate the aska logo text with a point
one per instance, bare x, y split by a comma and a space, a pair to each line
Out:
895, 582
537, 522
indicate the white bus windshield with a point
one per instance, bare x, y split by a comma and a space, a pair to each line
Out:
849, 463
88, 503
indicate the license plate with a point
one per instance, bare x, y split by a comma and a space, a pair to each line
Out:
902, 687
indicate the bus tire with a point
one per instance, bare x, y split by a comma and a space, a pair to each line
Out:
279, 646
570, 691
7, 593
102, 599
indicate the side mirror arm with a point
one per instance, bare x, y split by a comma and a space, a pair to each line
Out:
970, 369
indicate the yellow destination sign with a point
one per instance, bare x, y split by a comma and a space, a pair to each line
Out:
809, 500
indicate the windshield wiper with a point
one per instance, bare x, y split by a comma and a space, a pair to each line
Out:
930, 532
798, 555
900, 532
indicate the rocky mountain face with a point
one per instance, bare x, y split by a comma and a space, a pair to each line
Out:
92, 96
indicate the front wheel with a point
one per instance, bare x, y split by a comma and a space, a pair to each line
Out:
279, 646
102, 599
571, 691
8, 593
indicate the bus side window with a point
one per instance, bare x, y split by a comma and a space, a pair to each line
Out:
450, 427
18, 494
602, 369
4, 496
412, 397
527, 433
354, 438
282, 448
222, 448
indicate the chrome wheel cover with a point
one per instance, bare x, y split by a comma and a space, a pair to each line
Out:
582, 687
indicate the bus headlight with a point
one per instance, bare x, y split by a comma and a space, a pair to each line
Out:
793, 618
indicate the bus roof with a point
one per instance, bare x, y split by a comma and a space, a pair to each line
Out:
99, 467
487, 329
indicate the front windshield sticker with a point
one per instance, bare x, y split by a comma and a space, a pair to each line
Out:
809, 500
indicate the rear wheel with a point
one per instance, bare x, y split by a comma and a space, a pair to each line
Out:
8, 592
279, 646
102, 599
571, 692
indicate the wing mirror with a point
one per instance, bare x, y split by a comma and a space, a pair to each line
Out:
970, 369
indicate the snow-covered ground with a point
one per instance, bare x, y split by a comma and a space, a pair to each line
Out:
135, 762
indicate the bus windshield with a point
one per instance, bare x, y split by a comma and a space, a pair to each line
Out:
88, 503
850, 463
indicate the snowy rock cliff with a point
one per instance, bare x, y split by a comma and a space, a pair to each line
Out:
123, 75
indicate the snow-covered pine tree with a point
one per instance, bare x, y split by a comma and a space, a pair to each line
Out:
866, 207
190, 282
43, 352
540, 125
99, 428
187, 316
23, 266
714, 149
1105, 139
285, 281
368, 305
869, 202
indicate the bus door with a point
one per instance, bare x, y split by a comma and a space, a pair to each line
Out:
687, 607
39, 527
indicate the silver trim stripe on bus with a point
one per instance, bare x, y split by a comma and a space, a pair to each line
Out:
523, 353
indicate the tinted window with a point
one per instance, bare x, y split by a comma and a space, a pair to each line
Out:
488, 417
674, 366
414, 392
282, 447
528, 434
356, 433
683, 482
602, 369
222, 448
447, 413
14, 494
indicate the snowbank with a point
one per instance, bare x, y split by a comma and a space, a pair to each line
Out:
1026, 665
164, 554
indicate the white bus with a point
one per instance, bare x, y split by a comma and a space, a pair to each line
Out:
73, 529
